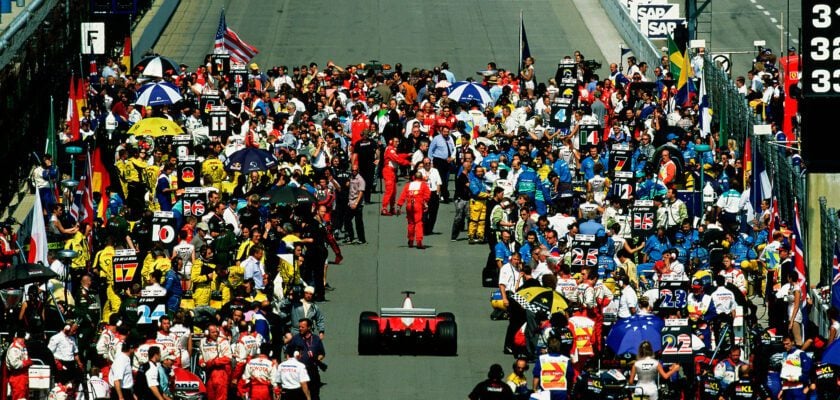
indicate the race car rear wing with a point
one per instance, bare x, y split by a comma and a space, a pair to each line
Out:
408, 312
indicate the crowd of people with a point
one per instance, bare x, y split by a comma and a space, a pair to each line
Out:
243, 278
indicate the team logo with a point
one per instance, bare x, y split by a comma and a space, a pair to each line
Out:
188, 175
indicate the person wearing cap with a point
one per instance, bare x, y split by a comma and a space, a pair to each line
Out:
700, 308
294, 309
493, 387
554, 373
17, 364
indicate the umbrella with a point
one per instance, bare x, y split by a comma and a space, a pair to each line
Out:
155, 127
831, 354
250, 159
626, 336
24, 274
465, 92
288, 195
157, 67
158, 94
540, 299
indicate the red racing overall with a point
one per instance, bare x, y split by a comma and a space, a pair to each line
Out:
415, 196
18, 362
389, 175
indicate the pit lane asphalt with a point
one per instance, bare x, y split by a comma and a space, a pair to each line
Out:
446, 276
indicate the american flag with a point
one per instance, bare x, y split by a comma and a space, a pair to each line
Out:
227, 41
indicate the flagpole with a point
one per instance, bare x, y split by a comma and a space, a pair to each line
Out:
521, 24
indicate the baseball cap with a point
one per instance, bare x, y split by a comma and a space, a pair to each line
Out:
671, 136
696, 283
309, 289
202, 226
254, 66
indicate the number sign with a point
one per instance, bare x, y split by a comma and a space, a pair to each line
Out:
125, 267
676, 341
820, 81
821, 47
163, 227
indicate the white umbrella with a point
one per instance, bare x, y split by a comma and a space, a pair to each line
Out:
465, 92
157, 67
158, 94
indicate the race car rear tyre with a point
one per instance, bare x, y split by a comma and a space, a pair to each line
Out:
447, 316
368, 337
366, 315
447, 338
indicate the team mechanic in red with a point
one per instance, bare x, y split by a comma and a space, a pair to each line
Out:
389, 174
258, 374
215, 359
18, 362
415, 196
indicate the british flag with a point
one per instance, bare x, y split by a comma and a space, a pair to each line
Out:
643, 221
587, 257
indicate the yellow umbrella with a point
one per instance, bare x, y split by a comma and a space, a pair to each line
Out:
155, 127
540, 298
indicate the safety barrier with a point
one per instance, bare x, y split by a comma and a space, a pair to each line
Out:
633, 38
830, 232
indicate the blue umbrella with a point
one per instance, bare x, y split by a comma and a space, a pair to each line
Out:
831, 354
626, 336
158, 94
250, 159
465, 92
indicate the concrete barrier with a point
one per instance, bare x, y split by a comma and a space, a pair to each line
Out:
642, 47
152, 30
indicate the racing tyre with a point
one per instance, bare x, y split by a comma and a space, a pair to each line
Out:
447, 338
447, 316
368, 337
366, 315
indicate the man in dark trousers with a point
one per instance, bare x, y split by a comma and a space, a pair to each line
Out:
367, 151
312, 355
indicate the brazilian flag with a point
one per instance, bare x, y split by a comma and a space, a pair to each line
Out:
680, 64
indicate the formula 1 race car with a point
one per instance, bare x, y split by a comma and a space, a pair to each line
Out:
408, 330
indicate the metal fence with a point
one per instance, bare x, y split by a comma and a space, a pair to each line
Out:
830, 230
737, 119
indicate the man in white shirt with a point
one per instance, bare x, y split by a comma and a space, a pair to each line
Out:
421, 152
152, 374
254, 268
231, 217
629, 302
292, 376
120, 376
432, 177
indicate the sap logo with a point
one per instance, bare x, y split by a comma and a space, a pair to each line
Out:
660, 28
658, 11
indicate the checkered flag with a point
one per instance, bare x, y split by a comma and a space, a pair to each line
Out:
527, 305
